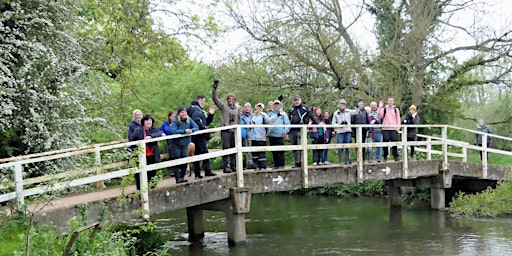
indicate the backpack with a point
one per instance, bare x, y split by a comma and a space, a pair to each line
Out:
385, 112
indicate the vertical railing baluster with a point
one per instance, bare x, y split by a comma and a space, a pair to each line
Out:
359, 141
97, 158
18, 186
484, 155
144, 196
304, 143
405, 160
429, 148
444, 137
239, 158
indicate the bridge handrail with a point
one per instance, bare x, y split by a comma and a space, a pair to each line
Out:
20, 193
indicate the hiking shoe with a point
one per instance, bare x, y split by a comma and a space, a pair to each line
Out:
210, 174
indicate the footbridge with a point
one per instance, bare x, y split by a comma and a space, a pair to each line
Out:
77, 176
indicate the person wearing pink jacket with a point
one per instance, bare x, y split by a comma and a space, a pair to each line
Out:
389, 115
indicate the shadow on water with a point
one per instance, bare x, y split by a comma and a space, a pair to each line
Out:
283, 224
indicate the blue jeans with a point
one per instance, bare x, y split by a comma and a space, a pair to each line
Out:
378, 150
344, 138
325, 154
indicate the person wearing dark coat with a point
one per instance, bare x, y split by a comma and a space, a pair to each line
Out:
300, 113
181, 124
136, 122
412, 118
148, 131
482, 127
197, 114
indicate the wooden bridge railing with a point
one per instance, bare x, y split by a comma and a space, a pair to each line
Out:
20, 188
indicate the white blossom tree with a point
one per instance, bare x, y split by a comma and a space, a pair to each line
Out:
42, 77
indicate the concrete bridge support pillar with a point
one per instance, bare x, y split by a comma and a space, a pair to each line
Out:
437, 190
437, 198
195, 222
235, 208
394, 192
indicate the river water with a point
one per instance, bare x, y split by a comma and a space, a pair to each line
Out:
283, 224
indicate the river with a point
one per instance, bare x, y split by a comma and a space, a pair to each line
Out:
284, 224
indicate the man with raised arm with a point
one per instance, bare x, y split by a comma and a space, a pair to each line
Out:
229, 115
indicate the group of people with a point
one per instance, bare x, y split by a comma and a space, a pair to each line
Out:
196, 118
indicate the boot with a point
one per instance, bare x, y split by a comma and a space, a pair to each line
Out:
347, 157
340, 158
177, 176
370, 157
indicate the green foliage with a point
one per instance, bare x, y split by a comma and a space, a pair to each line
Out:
365, 189
488, 203
145, 235
10, 233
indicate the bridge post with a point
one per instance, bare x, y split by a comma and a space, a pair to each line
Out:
144, 195
405, 159
235, 215
437, 189
304, 143
395, 194
239, 158
195, 222
359, 141
97, 156
18, 185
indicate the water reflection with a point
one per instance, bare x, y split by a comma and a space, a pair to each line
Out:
282, 224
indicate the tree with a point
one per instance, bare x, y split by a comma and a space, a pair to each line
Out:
42, 76
412, 61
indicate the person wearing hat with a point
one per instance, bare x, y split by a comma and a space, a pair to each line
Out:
181, 124
300, 113
258, 136
412, 118
245, 119
276, 135
229, 115
148, 130
342, 117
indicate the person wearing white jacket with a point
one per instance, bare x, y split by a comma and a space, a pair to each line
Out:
344, 134
258, 137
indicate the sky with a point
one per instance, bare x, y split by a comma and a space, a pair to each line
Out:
497, 15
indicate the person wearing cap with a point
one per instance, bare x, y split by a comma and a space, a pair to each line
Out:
229, 115
258, 136
300, 113
147, 131
181, 124
197, 113
389, 115
342, 117
360, 116
412, 118
276, 135
245, 119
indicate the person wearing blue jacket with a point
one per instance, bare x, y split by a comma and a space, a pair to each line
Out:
258, 137
181, 124
276, 135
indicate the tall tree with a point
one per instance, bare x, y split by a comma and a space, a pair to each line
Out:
41, 71
413, 61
